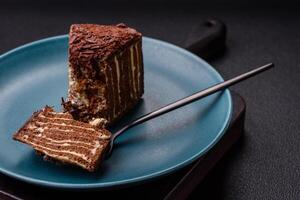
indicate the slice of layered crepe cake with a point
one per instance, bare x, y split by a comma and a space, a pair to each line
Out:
106, 75
59, 137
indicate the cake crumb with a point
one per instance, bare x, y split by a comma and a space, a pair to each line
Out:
98, 122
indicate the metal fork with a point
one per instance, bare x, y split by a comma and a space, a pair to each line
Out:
187, 100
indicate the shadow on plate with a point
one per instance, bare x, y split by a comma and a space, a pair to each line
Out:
35, 166
168, 127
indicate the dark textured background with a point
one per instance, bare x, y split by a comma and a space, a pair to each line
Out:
266, 163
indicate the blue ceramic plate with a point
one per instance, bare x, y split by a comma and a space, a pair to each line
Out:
35, 74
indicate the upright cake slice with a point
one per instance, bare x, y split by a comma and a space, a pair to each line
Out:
60, 137
105, 71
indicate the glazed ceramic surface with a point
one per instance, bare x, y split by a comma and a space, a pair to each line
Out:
35, 75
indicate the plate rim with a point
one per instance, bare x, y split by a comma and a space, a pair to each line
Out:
138, 179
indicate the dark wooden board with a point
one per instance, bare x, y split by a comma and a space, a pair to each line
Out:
206, 40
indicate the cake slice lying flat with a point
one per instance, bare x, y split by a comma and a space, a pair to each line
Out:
58, 136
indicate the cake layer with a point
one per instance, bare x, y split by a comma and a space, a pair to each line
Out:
105, 71
60, 137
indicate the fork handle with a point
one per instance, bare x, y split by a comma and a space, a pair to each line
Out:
194, 97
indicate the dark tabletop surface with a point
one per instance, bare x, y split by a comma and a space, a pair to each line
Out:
266, 163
